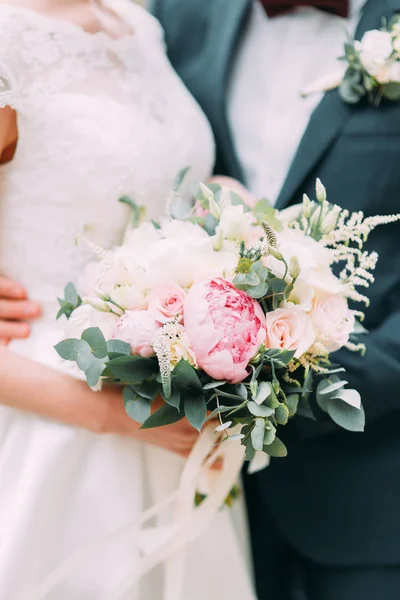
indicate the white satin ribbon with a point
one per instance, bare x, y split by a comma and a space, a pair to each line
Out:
188, 522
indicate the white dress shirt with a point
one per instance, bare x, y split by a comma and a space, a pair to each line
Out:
276, 59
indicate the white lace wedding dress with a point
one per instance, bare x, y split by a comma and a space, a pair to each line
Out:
97, 118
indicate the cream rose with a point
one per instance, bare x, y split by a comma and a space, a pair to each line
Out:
289, 329
166, 302
332, 320
375, 50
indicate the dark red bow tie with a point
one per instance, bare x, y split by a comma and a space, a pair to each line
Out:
277, 7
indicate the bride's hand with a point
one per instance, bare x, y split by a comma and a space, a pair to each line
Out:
235, 186
15, 311
178, 438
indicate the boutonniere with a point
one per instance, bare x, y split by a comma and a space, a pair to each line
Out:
371, 67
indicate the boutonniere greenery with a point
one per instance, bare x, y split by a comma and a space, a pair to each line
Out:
373, 65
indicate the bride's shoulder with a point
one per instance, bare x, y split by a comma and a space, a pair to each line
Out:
141, 19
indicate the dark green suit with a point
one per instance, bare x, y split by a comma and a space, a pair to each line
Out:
325, 521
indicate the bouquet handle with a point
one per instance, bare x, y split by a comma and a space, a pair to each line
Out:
188, 522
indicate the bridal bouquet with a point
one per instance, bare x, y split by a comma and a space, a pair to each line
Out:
229, 313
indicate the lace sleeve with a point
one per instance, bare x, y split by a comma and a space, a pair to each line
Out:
12, 68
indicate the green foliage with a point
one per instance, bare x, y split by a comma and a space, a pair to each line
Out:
254, 282
116, 348
96, 340
277, 449
132, 369
136, 406
95, 369
137, 211
195, 408
264, 211
70, 302
279, 358
346, 416
166, 415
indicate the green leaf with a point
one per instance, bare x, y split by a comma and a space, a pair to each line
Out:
195, 408
327, 386
270, 433
260, 410
292, 402
137, 211
70, 294
213, 384
148, 389
350, 93
95, 370
277, 287
75, 350
185, 378
277, 449
166, 415
264, 211
68, 348
174, 399
241, 391
255, 282
263, 391
118, 348
137, 407
257, 434
132, 369
346, 416
282, 414
250, 451
96, 340
281, 358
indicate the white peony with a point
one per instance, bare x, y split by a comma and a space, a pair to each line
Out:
375, 50
86, 316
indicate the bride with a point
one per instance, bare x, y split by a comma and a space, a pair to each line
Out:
90, 110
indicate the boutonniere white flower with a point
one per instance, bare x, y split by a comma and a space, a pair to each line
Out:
371, 67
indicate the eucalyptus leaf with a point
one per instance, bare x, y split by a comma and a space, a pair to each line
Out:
68, 348
260, 410
292, 402
95, 369
213, 384
257, 434
250, 451
327, 386
281, 358
166, 415
345, 415
118, 348
277, 449
282, 414
174, 399
241, 391
270, 433
137, 407
263, 391
96, 340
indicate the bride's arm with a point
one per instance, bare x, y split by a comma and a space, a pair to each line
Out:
30, 386
15, 308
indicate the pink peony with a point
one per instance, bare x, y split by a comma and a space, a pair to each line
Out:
137, 328
166, 302
289, 329
332, 319
225, 327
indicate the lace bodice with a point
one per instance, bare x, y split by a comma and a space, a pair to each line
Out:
98, 118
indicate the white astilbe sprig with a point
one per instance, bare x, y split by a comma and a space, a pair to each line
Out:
165, 337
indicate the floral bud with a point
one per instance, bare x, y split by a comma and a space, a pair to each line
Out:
308, 206
330, 220
218, 240
320, 191
294, 267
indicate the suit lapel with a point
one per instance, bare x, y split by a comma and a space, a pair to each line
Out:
329, 118
226, 23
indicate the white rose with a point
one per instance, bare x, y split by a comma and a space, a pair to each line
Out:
302, 296
375, 49
181, 349
332, 320
86, 316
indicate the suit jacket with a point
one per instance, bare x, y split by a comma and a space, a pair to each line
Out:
336, 497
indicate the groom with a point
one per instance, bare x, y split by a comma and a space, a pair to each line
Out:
325, 522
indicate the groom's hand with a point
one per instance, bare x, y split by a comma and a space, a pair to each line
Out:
16, 310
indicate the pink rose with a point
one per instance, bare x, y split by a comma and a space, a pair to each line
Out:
225, 328
166, 302
137, 328
332, 319
289, 329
